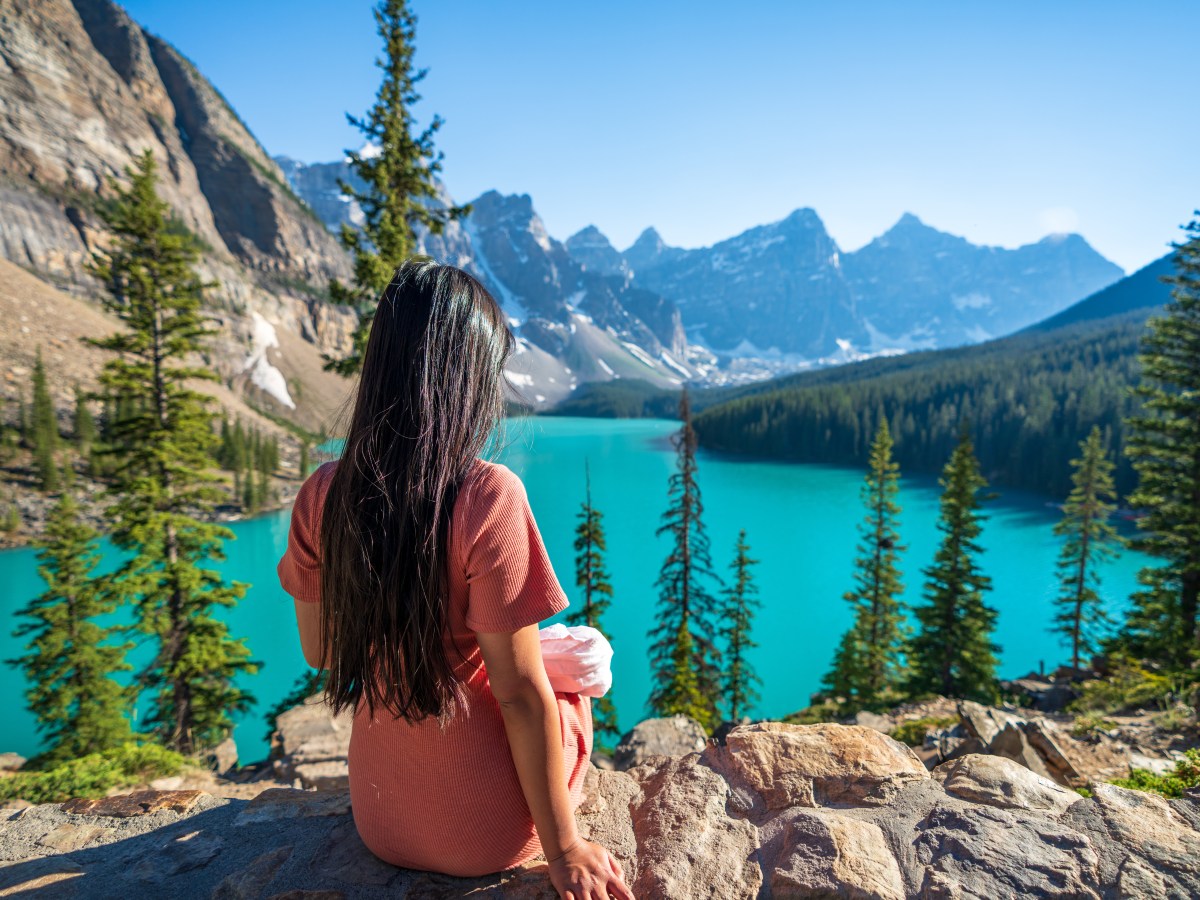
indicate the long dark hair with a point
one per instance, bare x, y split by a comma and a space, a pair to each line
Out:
429, 398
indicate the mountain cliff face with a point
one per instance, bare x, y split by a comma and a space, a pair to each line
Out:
83, 91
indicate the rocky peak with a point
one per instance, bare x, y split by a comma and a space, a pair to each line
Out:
591, 249
650, 250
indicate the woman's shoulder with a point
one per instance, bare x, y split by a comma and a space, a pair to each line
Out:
312, 493
489, 488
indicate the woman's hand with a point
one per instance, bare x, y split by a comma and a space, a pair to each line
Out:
588, 872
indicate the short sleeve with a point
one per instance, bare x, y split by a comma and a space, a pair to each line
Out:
510, 582
300, 569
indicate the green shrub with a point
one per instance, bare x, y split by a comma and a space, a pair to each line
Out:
1128, 686
1176, 718
93, 775
1091, 723
1171, 785
914, 731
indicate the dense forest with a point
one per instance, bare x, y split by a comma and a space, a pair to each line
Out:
1027, 401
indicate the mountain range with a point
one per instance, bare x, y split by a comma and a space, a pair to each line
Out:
785, 291
85, 90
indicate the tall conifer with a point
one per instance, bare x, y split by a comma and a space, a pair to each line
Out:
1164, 445
1090, 539
162, 486
591, 576
84, 426
869, 667
953, 653
683, 656
70, 658
399, 168
43, 429
738, 679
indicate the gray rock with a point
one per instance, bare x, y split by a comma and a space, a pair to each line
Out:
982, 853
674, 736
996, 781
830, 855
223, 758
11, 762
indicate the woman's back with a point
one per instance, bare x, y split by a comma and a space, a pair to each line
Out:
447, 797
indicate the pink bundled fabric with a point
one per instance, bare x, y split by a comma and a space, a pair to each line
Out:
577, 659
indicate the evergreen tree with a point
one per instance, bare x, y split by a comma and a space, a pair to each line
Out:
84, 426
683, 656
70, 659
953, 653
165, 438
591, 576
1090, 539
399, 170
1164, 445
43, 428
738, 679
868, 669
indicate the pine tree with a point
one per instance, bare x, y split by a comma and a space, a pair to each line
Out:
738, 679
953, 653
399, 169
1090, 539
591, 576
70, 659
685, 605
868, 668
1164, 445
84, 425
165, 438
43, 428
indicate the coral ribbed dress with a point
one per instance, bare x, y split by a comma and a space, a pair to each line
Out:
448, 799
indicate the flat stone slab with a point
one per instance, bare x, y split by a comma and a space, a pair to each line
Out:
139, 803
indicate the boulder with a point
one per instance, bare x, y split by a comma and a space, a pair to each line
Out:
223, 758
981, 852
818, 765
996, 781
829, 855
310, 746
672, 736
11, 762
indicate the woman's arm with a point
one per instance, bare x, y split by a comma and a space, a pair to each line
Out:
579, 869
308, 621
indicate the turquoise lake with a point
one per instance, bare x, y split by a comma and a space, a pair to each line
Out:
801, 523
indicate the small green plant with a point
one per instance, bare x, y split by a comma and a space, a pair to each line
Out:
93, 775
915, 731
1128, 686
1176, 718
1090, 724
1184, 776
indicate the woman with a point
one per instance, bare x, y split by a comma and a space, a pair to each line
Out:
419, 577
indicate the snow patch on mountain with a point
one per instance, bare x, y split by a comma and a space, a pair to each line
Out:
263, 375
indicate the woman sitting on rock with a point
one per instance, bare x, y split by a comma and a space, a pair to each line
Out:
419, 578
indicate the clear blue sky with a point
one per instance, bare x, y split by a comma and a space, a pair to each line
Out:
1000, 121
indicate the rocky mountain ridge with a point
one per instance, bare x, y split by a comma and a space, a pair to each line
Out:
786, 292
786, 288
